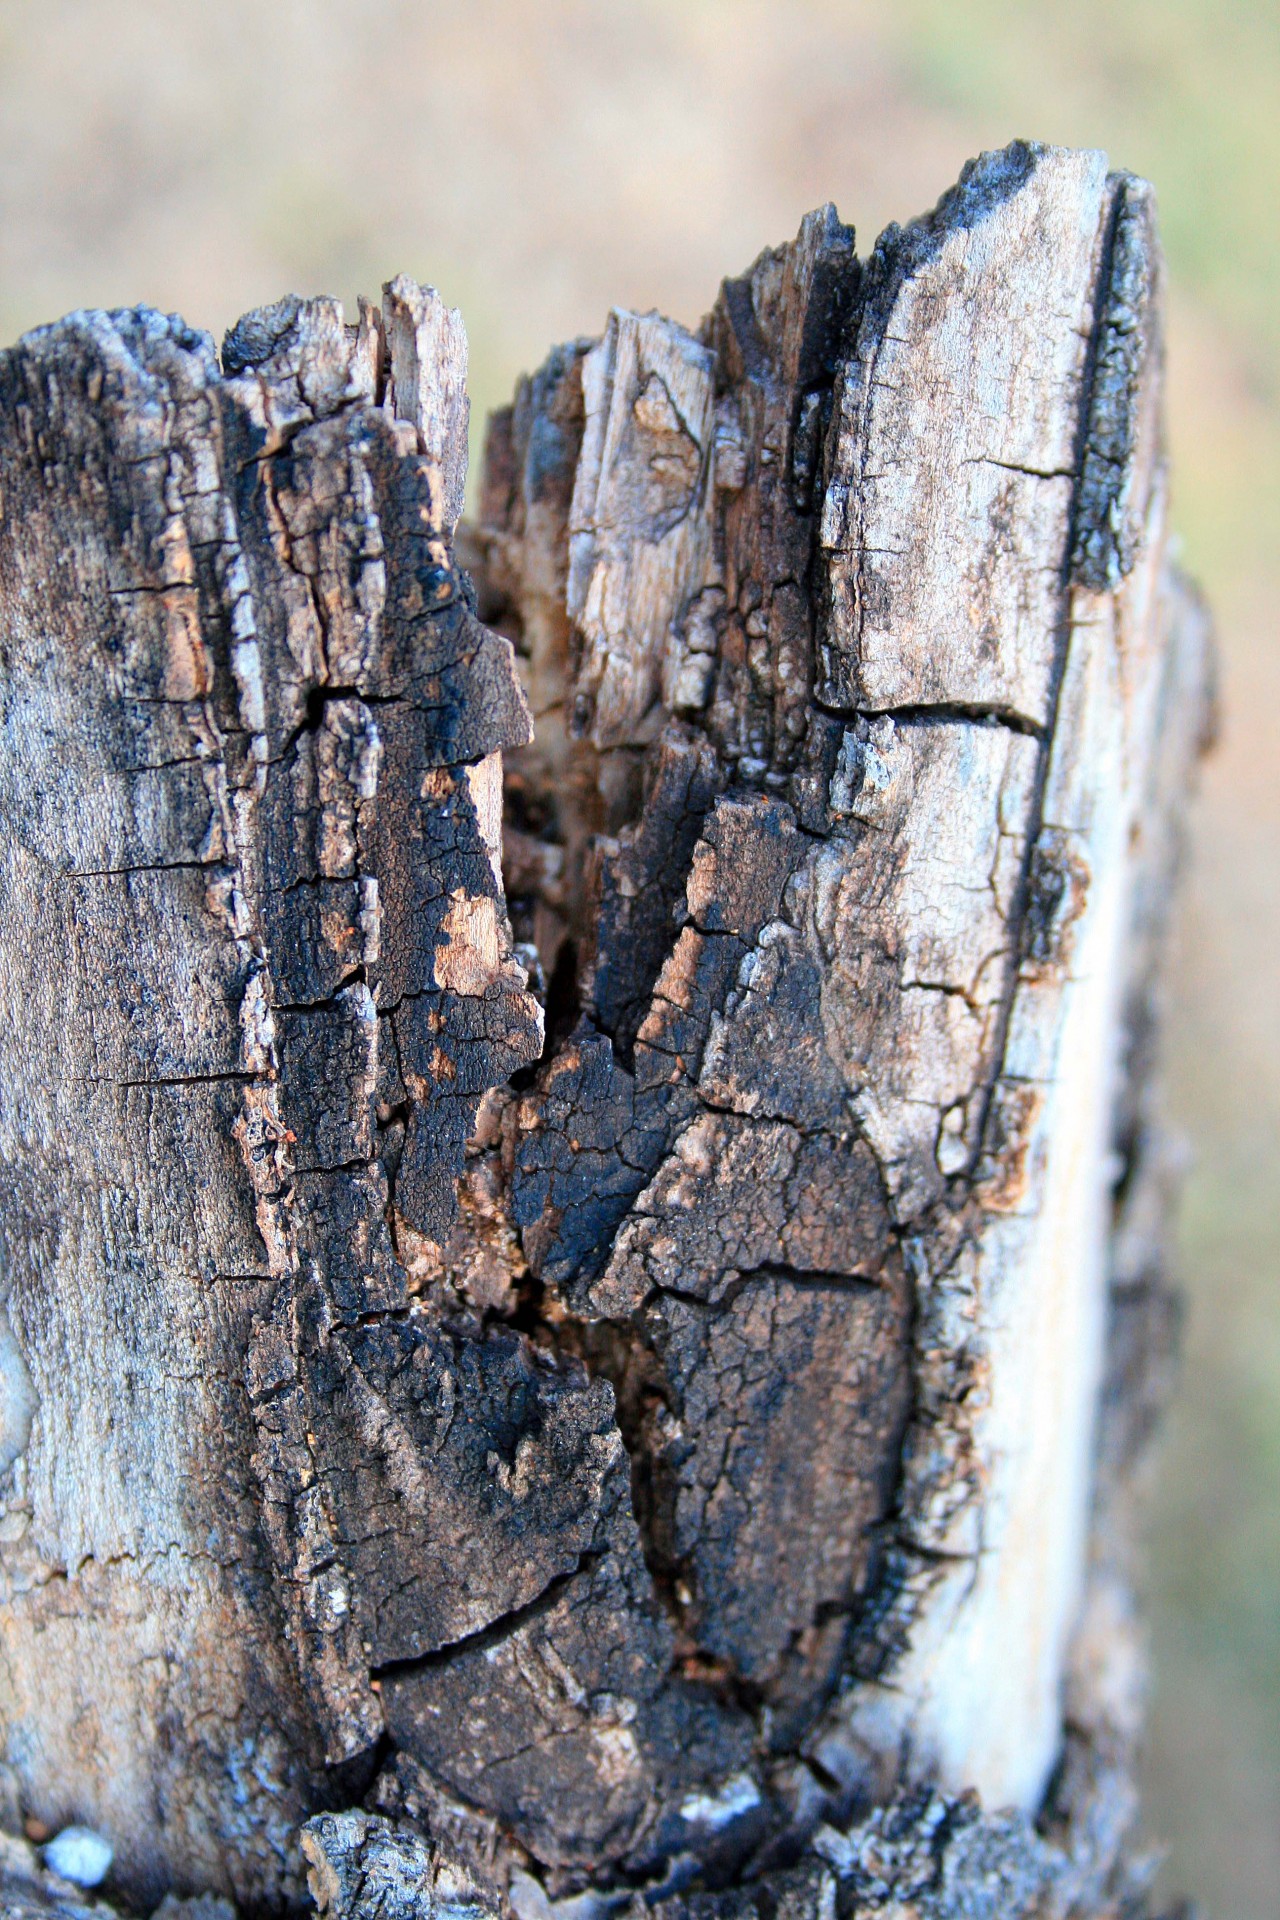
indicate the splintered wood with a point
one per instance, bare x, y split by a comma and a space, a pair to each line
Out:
609, 1368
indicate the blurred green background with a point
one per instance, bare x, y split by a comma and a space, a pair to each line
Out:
540, 161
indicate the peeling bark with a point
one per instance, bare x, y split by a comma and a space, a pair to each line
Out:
583, 1183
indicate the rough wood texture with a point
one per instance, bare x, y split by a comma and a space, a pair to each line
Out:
255, 983
637, 1374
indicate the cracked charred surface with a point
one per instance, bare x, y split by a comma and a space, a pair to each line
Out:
639, 1427
263, 982
854, 610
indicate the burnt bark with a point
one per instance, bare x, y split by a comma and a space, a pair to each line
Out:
583, 1184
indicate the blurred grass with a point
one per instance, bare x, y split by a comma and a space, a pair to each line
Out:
539, 159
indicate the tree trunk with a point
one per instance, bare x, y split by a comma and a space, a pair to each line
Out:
635, 1376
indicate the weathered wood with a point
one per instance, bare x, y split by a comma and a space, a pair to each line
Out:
255, 984
637, 1371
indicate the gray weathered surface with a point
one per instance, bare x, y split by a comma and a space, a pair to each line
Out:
615, 1356
256, 979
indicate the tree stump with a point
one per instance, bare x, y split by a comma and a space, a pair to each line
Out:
628, 1375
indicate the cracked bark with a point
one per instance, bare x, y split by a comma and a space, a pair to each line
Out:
583, 1179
